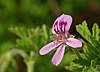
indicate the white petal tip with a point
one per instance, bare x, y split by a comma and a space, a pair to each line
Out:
54, 63
41, 53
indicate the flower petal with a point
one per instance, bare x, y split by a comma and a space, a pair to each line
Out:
68, 19
74, 42
62, 23
58, 56
47, 48
54, 27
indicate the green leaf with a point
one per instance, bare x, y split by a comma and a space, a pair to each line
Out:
87, 69
84, 31
90, 51
30, 38
74, 67
96, 32
19, 31
45, 31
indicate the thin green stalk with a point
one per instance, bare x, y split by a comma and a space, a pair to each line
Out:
77, 53
30, 66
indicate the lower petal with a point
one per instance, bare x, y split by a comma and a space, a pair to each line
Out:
74, 42
47, 48
58, 56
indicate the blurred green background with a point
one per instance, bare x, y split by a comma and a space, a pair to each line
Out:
35, 13
32, 13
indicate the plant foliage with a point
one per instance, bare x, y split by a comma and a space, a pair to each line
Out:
90, 57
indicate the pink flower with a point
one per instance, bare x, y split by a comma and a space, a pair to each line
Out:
61, 28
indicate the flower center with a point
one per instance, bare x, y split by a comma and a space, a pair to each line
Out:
63, 39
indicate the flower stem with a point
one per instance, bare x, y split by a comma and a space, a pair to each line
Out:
77, 53
30, 66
